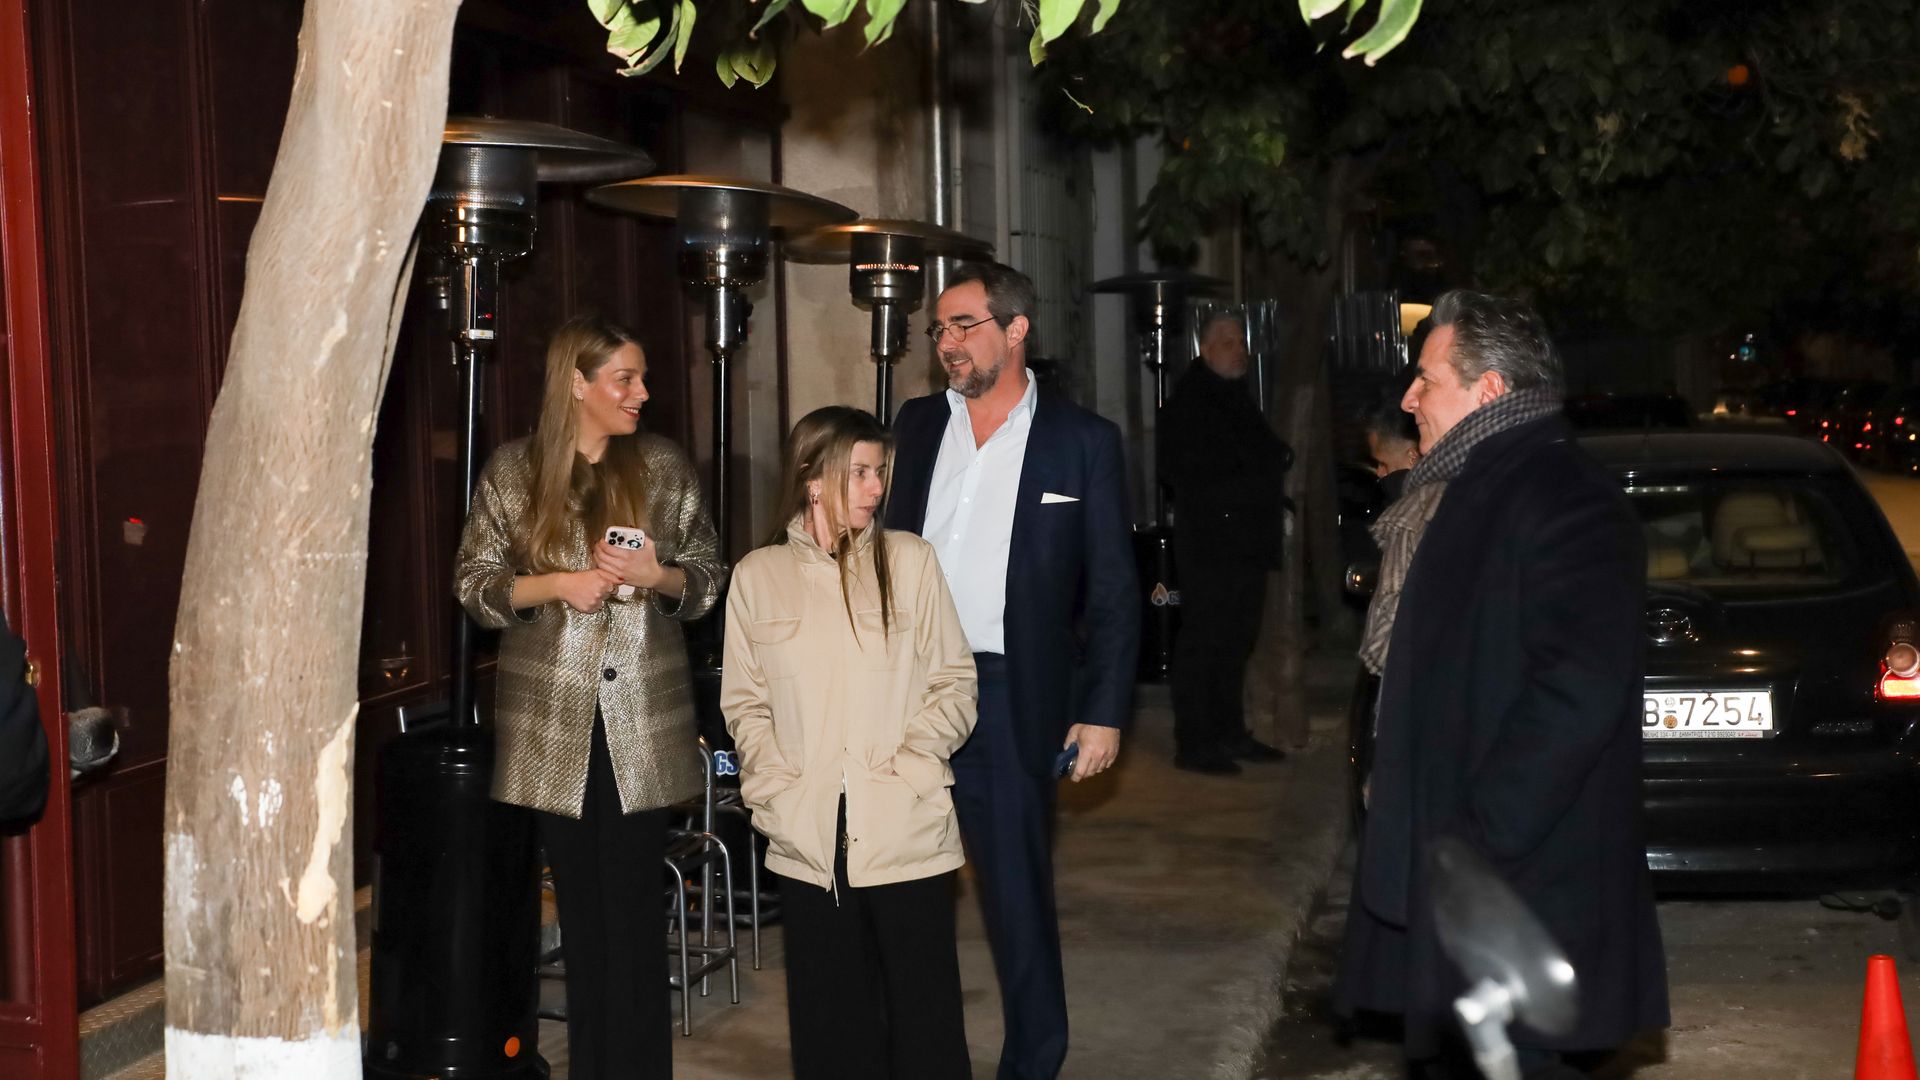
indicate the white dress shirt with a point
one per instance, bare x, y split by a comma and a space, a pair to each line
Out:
970, 507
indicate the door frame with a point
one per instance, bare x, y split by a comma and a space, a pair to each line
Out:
39, 1016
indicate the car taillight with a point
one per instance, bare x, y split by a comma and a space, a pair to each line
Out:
1900, 667
1793, 412
1894, 688
1899, 421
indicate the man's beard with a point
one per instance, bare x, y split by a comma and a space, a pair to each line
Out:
977, 382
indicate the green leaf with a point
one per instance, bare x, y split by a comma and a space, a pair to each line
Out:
755, 64
1057, 15
631, 37
606, 10
723, 66
1396, 19
880, 19
1100, 17
1036, 49
652, 60
687, 15
831, 12
774, 8
1318, 9
1353, 12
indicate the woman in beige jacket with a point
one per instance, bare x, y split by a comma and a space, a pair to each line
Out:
848, 684
593, 716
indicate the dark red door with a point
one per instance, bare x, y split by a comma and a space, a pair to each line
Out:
38, 1018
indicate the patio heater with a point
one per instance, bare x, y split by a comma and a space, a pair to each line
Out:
456, 893
724, 230
1159, 303
886, 273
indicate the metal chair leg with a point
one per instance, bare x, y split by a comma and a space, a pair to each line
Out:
753, 880
733, 942
686, 981
706, 908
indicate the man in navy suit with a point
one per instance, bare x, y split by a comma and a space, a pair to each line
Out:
1023, 495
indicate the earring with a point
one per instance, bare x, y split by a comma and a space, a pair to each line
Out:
814, 498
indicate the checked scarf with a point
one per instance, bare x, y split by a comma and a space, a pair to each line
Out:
1399, 528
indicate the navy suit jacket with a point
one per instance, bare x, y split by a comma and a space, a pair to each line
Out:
1073, 604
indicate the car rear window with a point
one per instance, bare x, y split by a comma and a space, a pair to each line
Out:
1745, 537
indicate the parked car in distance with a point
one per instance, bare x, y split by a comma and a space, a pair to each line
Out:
1800, 400
1781, 705
1897, 431
1841, 422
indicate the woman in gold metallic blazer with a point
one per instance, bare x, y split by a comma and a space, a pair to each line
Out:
593, 712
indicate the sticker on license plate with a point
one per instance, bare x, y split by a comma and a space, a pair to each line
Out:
1707, 714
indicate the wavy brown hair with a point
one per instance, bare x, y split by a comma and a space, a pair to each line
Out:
820, 447
566, 486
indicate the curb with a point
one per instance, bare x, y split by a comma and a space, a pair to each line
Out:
1312, 825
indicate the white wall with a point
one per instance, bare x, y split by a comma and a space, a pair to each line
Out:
857, 135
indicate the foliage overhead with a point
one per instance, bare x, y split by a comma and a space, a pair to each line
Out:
1655, 164
643, 33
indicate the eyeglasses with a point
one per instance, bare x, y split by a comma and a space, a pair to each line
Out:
959, 329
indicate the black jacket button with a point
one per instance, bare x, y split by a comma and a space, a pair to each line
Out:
610, 674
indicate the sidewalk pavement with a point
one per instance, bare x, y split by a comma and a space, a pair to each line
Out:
1180, 897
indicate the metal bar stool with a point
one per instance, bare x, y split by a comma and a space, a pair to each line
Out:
729, 801
690, 850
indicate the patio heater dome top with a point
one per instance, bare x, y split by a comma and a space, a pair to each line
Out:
1149, 281
662, 196
561, 155
836, 243
886, 261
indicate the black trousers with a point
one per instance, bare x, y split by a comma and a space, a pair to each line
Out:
1220, 604
873, 979
607, 880
1006, 819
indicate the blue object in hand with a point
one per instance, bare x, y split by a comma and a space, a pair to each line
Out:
1063, 765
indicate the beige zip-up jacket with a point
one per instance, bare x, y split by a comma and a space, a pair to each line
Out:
817, 700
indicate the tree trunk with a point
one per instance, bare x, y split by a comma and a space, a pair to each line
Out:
1275, 698
259, 852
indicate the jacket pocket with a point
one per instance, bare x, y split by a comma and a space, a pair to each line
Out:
884, 646
776, 645
899, 829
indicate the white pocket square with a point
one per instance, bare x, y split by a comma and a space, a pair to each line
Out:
1050, 497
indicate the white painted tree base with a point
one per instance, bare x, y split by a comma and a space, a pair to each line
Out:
236, 1057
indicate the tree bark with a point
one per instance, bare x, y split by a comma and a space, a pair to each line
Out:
1275, 696
259, 881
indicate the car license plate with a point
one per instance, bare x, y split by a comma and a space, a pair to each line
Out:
1707, 714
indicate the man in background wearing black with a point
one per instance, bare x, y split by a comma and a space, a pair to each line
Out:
24, 767
1225, 466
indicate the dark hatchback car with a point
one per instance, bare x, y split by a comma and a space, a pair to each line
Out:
1781, 719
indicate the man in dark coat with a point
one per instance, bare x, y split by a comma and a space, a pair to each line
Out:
1225, 466
24, 769
1510, 696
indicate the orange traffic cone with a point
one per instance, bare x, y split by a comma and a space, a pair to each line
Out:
1885, 1051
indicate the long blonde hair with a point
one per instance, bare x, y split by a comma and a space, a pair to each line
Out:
611, 491
820, 447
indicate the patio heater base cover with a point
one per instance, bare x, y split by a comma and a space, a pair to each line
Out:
456, 918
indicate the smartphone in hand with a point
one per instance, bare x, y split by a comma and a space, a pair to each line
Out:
622, 536
1063, 764
633, 539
